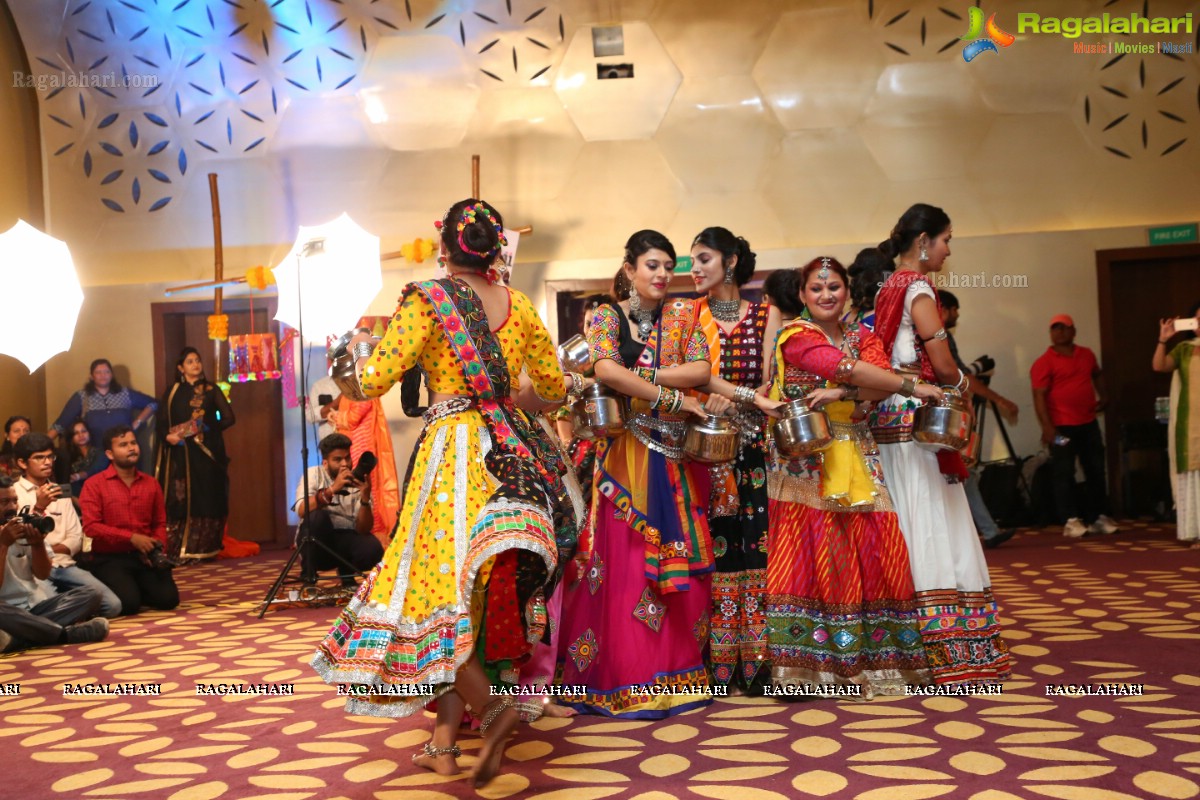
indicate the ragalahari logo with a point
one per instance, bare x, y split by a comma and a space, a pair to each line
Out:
983, 38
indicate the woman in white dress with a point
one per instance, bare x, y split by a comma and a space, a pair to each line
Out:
954, 595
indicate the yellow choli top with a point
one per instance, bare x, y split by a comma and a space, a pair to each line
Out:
416, 337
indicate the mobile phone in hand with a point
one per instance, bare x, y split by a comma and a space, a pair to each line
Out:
1186, 324
324, 399
64, 489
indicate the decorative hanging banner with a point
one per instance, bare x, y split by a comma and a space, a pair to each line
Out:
287, 361
252, 358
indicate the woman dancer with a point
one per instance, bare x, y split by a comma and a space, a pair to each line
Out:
721, 264
954, 594
639, 614
1184, 420
840, 593
460, 594
192, 465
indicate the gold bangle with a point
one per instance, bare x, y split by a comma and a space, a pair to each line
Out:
907, 387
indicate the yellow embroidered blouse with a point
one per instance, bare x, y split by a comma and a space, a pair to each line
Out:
415, 336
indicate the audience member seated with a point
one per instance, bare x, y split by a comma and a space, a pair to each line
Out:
340, 516
63, 619
14, 428
35, 456
124, 514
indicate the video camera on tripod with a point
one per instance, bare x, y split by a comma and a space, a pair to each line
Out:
982, 368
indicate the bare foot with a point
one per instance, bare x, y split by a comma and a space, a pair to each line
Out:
555, 710
442, 764
492, 750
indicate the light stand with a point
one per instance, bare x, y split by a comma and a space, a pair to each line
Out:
305, 540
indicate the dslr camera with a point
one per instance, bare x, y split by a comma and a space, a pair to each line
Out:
39, 523
158, 559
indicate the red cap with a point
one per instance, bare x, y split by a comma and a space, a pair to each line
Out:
1062, 319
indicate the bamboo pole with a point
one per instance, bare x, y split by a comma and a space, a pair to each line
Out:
218, 268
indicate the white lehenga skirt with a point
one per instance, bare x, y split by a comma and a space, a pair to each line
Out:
953, 588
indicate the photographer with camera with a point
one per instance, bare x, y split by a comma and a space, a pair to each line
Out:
337, 513
976, 373
124, 514
35, 456
26, 558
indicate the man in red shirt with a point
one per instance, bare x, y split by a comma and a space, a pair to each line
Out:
1067, 394
124, 514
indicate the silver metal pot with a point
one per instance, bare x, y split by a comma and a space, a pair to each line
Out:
714, 440
341, 367
576, 356
599, 412
801, 431
945, 425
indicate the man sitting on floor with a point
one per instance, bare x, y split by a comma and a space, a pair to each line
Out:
25, 556
339, 517
34, 454
124, 513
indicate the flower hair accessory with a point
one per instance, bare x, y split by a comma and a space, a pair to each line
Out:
470, 215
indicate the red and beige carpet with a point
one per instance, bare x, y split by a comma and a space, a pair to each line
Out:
1123, 609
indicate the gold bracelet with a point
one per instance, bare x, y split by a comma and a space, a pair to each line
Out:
907, 387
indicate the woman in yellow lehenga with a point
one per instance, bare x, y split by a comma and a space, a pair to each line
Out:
459, 598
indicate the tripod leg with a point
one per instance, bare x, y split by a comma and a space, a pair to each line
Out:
287, 568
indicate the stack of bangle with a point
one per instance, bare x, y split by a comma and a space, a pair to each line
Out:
669, 401
576, 384
851, 391
907, 387
743, 395
963, 382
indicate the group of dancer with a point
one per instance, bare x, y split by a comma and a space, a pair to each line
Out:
634, 578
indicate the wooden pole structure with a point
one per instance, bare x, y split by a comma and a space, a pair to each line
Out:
218, 269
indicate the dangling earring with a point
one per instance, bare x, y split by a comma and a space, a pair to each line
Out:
923, 255
728, 275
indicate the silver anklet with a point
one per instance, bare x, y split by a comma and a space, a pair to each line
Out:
434, 752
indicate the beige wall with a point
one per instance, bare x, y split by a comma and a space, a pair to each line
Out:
20, 198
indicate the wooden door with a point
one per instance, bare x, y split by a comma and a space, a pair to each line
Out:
1137, 287
257, 485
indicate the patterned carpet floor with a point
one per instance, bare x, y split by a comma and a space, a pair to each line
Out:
1123, 609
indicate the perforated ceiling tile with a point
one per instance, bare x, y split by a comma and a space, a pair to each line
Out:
418, 92
925, 121
818, 69
642, 100
526, 140
824, 186
718, 135
1042, 158
747, 214
697, 34
642, 193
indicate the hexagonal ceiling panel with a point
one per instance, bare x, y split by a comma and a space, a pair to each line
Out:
727, 112
418, 92
818, 70
643, 98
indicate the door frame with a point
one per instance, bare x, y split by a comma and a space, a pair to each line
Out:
1110, 340
158, 312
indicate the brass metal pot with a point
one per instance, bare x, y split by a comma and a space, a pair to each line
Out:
801, 431
714, 440
576, 356
599, 412
944, 425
